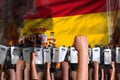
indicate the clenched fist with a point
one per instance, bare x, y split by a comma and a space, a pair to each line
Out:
20, 64
80, 43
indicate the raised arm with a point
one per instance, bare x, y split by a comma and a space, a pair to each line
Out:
33, 70
19, 70
65, 70
81, 45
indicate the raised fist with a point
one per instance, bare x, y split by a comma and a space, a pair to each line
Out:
80, 43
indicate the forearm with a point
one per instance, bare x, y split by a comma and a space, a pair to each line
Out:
64, 66
91, 74
102, 78
81, 45
27, 72
19, 74
48, 74
40, 75
112, 75
2, 76
112, 72
96, 69
82, 65
73, 75
1, 72
33, 71
19, 70
12, 74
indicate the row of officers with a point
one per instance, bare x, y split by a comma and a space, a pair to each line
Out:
104, 56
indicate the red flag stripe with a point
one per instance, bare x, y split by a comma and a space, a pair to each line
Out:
60, 8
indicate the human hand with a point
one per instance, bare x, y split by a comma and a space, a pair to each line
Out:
80, 43
64, 65
20, 65
95, 65
48, 65
113, 65
33, 56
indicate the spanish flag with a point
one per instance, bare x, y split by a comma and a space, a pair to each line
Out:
68, 18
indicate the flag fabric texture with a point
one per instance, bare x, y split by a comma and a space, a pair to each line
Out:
68, 18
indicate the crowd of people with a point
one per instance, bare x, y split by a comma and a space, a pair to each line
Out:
31, 71
28, 71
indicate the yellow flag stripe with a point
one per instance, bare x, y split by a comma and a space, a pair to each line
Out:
94, 26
